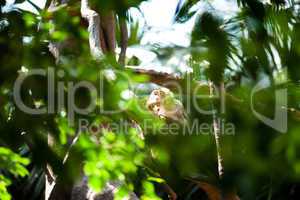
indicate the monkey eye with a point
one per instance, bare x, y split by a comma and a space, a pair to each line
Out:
156, 92
151, 106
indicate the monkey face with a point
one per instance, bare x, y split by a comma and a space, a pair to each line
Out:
156, 100
153, 100
163, 104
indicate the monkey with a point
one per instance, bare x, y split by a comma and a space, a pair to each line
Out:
163, 104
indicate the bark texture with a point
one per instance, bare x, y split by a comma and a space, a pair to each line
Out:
124, 41
93, 19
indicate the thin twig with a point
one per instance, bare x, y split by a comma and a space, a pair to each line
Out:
217, 133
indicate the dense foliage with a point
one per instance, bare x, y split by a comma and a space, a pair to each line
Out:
260, 41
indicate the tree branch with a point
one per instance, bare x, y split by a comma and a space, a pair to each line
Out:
160, 78
93, 19
108, 25
124, 40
